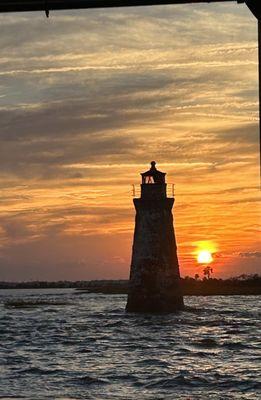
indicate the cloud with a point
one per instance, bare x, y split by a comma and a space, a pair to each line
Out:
88, 98
250, 254
246, 200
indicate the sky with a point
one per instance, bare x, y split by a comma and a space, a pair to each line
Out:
88, 98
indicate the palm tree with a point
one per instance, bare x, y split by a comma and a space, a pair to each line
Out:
207, 271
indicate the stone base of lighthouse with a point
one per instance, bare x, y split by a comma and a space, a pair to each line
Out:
154, 277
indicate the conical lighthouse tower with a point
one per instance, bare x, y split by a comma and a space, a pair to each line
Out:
154, 276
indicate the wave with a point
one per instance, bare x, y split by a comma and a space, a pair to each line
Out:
89, 380
90, 348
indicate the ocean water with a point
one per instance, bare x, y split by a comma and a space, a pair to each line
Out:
69, 345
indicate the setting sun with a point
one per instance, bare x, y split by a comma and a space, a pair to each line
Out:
204, 257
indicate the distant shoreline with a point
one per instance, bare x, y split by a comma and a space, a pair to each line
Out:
243, 285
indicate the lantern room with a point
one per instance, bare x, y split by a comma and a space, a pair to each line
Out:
153, 175
153, 186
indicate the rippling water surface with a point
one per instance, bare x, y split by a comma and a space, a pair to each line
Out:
83, 346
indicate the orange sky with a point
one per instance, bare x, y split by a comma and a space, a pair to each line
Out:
88, 99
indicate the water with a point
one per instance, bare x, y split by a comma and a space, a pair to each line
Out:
86, 347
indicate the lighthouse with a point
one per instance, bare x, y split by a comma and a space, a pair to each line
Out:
154, 284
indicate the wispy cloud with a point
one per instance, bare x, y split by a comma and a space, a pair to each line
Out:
87, 99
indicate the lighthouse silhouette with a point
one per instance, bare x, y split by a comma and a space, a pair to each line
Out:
154, 284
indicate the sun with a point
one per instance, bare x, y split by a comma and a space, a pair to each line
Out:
204, 257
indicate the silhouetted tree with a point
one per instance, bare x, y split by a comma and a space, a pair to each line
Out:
207, 271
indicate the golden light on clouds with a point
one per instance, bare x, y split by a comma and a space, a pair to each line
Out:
81, 118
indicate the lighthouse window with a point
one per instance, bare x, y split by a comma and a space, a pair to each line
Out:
149, 179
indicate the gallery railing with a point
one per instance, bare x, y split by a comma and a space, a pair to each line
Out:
170, 190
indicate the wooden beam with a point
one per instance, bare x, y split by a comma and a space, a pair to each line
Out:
43, 5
